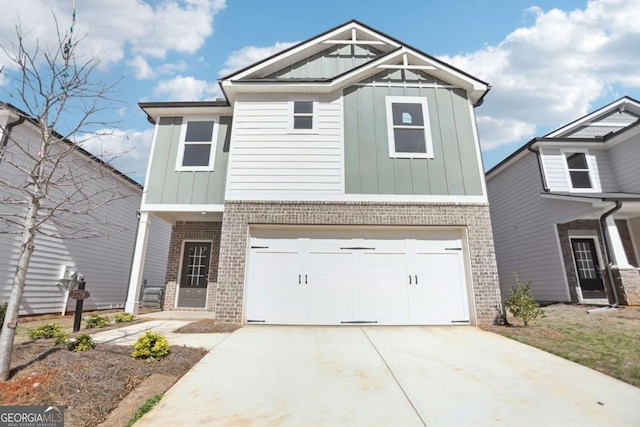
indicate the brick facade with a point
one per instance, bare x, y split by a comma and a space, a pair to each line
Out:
192, 231
591, 226
627, 283
239, 215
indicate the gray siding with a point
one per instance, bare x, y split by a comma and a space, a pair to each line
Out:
168, 186
624, 160
454, 169
611, 123
329, 63
524, 230
603, 175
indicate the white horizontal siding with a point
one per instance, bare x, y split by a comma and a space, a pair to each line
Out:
554, 169
524, 230
105, 261
267, 160
624, 161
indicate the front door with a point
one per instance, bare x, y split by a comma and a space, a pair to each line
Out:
588, 269
194, 274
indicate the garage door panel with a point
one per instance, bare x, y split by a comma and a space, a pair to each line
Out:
330, 287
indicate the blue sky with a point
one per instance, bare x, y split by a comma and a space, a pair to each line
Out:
549, 62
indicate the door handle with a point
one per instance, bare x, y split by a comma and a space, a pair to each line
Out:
416, 279
410, 279
305, 279
299, 279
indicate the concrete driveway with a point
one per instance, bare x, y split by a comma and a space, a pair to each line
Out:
389, 376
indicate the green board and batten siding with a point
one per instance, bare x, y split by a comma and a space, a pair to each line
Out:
329, 63
168, 186
454, 170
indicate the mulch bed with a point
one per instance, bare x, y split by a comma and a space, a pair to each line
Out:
89, 384
207, 326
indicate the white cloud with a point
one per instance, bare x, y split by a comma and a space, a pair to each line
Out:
114, 27
551, 72
128, 149
249, 55
187, 88
143, 71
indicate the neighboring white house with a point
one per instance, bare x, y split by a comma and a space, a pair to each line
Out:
338, 182
105, 262
565, 210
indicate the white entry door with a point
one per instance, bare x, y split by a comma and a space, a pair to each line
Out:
385, 277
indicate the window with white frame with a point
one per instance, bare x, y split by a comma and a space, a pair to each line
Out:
303, 115
196, 151
409, 132
578, 171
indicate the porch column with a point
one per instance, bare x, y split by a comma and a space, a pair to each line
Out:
137, 266
617, 249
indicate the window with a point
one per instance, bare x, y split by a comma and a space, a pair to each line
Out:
197, 145
303, 115
578, 168
408, 127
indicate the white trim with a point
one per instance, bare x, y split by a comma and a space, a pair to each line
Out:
181, 208
181, 145
391, 198
343, 173
593, 116
591, 165
476, 141
593, 235
406, 85
206, 297
633, 241
426, 128
315, 116
137, 263
617, 247
562, 266
149, 162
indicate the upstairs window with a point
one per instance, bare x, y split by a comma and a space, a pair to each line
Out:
303, 115
197, 145
578, 171
408, 127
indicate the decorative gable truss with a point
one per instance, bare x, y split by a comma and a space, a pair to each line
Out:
341, 57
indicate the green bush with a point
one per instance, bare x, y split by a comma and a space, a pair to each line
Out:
47, 330
97, 321
124, 317
151, 345
61, 339
522, 304
3, 312
81, 342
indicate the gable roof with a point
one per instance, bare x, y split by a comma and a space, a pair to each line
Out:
560, 134
21, 114
353, 32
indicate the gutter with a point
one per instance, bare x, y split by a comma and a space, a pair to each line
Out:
607, 255
7, 134
542, 177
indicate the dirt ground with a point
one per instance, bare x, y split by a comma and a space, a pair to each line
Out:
607, 341
89, 384
207, 326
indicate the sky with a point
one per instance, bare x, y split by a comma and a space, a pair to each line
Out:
549, 62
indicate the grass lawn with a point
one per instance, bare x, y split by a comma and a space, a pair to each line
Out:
608, 341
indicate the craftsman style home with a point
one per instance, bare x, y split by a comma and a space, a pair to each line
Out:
338, 182
566, 210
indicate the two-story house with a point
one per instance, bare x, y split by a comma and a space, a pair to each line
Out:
338, 182
566, 210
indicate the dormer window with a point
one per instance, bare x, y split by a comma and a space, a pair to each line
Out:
303, 115
578, 171
197, 148
409, 132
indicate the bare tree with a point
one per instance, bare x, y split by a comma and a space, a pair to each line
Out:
54, 186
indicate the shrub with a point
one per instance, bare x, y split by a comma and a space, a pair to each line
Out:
3, 311
81, 342
151, 345
97, 321
47, 330
61, 339
148, 405
522, 304
124, 317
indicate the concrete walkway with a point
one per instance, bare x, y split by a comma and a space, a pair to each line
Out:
128, 335
389, 376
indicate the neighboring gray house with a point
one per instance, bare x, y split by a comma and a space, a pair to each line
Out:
339, 182
105, 262
565, 210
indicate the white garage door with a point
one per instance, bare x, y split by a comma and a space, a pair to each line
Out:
389, 277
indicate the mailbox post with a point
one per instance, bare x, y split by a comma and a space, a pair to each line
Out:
79, 295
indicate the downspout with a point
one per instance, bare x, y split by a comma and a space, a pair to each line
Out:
542, 177
607, 256
7, 133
